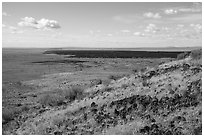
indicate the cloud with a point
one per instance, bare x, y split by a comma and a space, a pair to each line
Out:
196, 27
138, 34
166, 29
190, 31
110, 35
180, 25
5, 14
195, 7
189, 10
152, 15
12, 28
152, 28
125, 31
3, 25
43, 24
170, 11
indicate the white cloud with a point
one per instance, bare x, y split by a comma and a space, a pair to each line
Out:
5, 14
152, 15
197, 27
125, 31
189, 10
195, 7
12, 28
43, 24
185, 10
3, 25
180, 25
138, 34
110, 35
151, 28
170, 11
166, 29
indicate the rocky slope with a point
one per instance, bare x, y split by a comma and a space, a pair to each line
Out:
164, 100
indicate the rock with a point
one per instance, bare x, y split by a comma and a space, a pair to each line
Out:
94, 110
171, 91
154, 126
93, 104
116, 112
57, 133
145, 129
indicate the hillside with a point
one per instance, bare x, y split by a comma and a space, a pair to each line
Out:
162, 100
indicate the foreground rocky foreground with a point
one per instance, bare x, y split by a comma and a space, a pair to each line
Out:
158, 101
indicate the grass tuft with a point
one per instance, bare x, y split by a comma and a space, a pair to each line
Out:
9, 114
115, 77
51, 100
74, 93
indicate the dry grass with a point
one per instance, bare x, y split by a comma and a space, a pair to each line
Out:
196, 54
9, 114
127, 129
74, 93
51, 100
182, 55
115, 77
59, 98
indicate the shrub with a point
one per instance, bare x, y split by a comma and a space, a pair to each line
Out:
19, 83
58, 121
108, 89
182, 55
106, 82
124, 86
74, 93
134, 70
115, 77
58, 98
143, 70
145, 83
8, 114
196, 54
24, 108
95, 82
51, 100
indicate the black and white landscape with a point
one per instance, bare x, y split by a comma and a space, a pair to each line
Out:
101, 68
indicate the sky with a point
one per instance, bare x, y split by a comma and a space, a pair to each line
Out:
101, 25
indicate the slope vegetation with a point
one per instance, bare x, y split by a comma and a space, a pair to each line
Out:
166, 100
